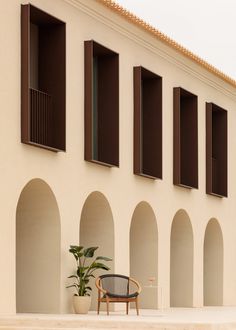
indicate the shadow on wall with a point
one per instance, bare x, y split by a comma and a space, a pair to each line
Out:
144, 253
97, 229
181, 261
213, 264
37, 250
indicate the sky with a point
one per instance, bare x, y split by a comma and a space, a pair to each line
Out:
205, 27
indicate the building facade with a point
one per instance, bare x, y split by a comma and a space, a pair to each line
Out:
116, 137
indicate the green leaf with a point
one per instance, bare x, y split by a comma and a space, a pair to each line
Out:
71, 286
73, 276
75, 250
103, 258
87, 277
99, 265
89, 252
81, 271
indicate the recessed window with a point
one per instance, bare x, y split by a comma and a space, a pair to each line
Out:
216, 150
42, 79
101, 104
185, 139
147, 123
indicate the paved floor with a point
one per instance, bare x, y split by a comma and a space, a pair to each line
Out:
222, 318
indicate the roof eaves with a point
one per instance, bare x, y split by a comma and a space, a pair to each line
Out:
118, 9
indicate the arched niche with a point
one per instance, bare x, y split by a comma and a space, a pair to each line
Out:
97, 229
144, 252
37, 250
181, 261
213, 264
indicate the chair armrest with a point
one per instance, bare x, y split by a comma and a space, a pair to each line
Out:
97, 283
137, 284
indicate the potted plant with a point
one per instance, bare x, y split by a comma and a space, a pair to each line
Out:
85, 268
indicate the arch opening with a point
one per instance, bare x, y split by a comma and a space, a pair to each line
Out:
181, 261
97, 229
37, 250
144, 253
213, 265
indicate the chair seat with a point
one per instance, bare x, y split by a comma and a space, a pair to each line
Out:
113, 295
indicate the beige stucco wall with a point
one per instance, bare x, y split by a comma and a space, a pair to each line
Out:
71, 179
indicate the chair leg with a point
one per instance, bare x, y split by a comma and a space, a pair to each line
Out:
107, 300
127, 307
136, 304
98, 306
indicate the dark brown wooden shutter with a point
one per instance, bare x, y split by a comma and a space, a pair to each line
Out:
25, 54
209, 148
107, 105
185, 139
147, 123
216, 151
108, 110
88, 98
43, 81
137, 120
176, 135
52, 79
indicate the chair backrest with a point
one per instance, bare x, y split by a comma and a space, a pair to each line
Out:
115, 284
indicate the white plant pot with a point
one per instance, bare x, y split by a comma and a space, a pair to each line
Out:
81, 304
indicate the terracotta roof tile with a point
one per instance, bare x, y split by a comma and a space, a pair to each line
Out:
164, 38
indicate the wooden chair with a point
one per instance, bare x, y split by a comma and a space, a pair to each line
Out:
116, 288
